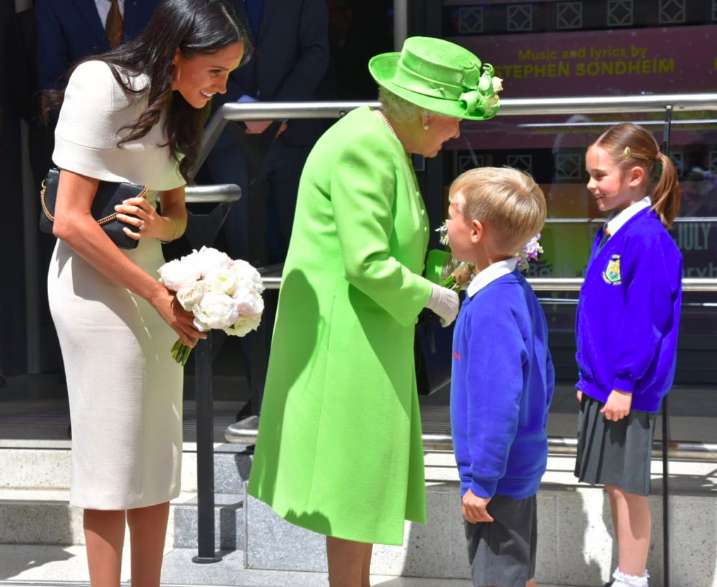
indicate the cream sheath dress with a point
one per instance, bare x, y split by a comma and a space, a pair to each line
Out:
125, 390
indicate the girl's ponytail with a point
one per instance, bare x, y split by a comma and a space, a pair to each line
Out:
630, 144
666, 195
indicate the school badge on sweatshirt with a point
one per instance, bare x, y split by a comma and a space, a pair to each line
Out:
611, 275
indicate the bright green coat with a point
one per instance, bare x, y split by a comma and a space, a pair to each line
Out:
339, 448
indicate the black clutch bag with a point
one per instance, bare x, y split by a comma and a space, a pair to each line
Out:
108, 195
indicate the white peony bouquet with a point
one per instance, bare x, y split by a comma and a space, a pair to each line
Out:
222, 293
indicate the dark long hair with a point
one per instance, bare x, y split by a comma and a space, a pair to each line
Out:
192, 27
629, 145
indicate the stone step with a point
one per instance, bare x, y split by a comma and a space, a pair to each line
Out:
39, 516
574, 539
53, 566
37, 464
575, 545
229, 516
44, 516
47, 465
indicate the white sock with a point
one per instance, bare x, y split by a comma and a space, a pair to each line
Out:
625, 580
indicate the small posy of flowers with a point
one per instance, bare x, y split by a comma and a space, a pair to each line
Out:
222, 293
457, 275
531, 251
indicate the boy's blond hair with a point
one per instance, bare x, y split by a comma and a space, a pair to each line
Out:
507, 200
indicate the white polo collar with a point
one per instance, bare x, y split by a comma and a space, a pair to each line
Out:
490, 274
619, 220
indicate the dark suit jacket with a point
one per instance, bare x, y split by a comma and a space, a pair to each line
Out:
71, 30
291, 57
14, 102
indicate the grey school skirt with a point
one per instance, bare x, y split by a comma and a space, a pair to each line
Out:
614, 453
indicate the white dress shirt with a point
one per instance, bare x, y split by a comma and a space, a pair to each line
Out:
490, 274
103, 8
618, 221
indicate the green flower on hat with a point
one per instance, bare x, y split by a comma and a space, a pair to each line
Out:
485, 98
440, 76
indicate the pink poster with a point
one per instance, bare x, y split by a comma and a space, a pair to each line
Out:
591, 63
595, 63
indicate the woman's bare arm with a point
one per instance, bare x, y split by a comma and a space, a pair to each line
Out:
75, 225
144, 222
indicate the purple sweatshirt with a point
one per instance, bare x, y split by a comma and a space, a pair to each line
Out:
501, 386
629, 313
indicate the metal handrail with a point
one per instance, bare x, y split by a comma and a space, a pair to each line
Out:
220, 193
678, 220
509, 107
563, 284
689, 284
246, 431
565, 446
608, 104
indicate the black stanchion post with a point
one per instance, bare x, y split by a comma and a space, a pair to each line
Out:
202, 230
666, 422
203, 397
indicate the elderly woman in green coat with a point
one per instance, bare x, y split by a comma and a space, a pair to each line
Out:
339, 449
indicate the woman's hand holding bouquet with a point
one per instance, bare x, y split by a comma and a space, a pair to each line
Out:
221, 293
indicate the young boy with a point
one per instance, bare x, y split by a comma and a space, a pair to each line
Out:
502, 379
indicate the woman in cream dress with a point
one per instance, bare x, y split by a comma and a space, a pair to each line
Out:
127, 116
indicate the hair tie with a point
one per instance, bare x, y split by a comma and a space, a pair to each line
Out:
658, 167
627, 153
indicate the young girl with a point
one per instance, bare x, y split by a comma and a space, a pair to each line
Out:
627, 323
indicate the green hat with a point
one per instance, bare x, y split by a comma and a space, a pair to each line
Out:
439, 76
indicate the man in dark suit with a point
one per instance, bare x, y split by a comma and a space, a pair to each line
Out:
290, 60
15, 98
265, 158
70, 30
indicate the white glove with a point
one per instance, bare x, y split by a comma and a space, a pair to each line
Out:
444, 303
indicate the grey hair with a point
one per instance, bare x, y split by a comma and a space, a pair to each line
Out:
398, 109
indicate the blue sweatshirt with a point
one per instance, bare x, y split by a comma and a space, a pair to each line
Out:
629, 312
501, 387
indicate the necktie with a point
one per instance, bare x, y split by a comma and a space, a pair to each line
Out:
604, 238
114, 25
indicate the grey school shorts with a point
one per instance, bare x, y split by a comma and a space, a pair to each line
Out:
502, 553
